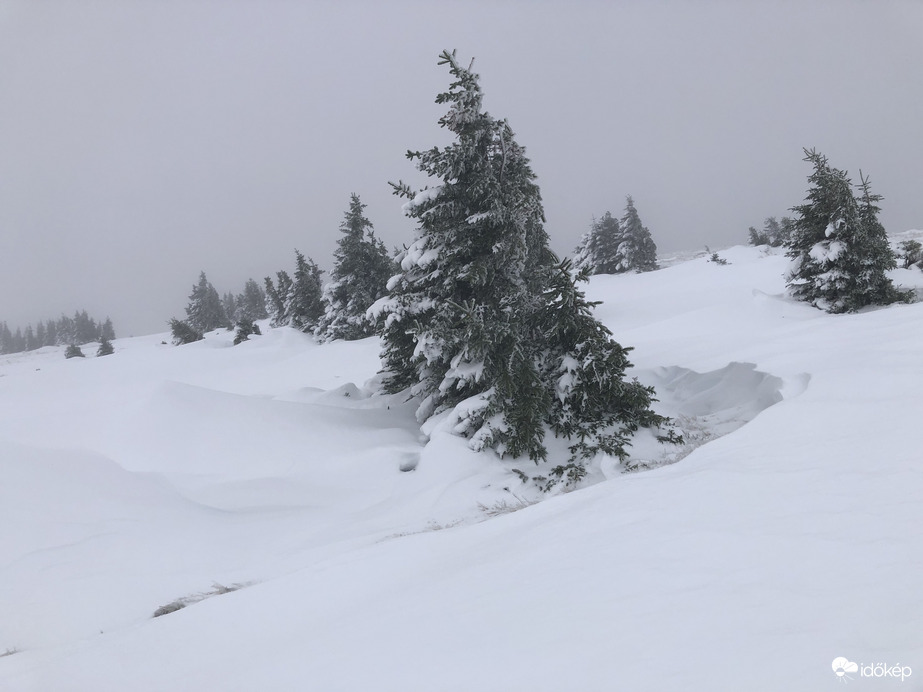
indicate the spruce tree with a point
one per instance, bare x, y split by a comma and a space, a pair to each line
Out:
6, 339
245, 328
636, 251
106, 330
251, 304
482, 312
73, 351
360, 276
105, 347
839, 249
276, 299
229, 304
205, 310
598, 248
305, 303
184, 333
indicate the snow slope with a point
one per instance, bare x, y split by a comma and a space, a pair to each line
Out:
321, 542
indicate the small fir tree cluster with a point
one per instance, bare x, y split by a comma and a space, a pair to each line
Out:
359, 278
614, 246
775, 233
79, 329
483, 318
839, 249
597, 251
296, 302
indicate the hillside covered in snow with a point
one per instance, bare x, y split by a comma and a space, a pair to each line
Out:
294, 532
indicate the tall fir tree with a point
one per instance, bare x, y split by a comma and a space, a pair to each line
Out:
598, 248
229, 303
277, 299
477, 313
251, 303
205, 310
106, 330
839, 249
359, 278
305, 302
636, 251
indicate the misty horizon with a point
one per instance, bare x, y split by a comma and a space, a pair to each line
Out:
144, 143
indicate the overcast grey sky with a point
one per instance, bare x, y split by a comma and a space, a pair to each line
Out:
144, 141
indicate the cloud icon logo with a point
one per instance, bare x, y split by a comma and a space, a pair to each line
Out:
841, 666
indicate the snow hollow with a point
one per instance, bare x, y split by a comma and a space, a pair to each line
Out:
294, 533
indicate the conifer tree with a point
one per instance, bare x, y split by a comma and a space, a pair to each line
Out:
276, 299
245, 328
51, 333
105, 347
205, 311
184, 333
251, 304
229, 304
637, 251
305, 302
598, 248
6, 339
29, 338
73, 351
839, 249
482, 312
360, 276
106, 330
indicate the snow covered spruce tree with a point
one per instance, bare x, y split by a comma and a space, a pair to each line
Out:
482, 314
636, 251
296, 302
306, 305
839, 249
251, 304
598, 248
360, 276
205, 310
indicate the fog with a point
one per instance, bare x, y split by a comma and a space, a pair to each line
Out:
142, 142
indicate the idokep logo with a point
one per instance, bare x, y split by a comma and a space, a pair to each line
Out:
842, 667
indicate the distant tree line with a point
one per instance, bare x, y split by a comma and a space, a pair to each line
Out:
774, 233
300, 300
64, 331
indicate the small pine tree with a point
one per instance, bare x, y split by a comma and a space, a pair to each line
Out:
184, 333
360, 277
598, 251
105, 348
106, 330
637, 251
73, 351
246, 328
839, 249
910, 254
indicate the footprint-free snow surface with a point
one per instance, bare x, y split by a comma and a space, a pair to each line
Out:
297, 533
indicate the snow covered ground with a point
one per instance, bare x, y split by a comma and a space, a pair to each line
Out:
319, 542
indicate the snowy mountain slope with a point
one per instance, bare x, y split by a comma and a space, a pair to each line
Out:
790, 535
